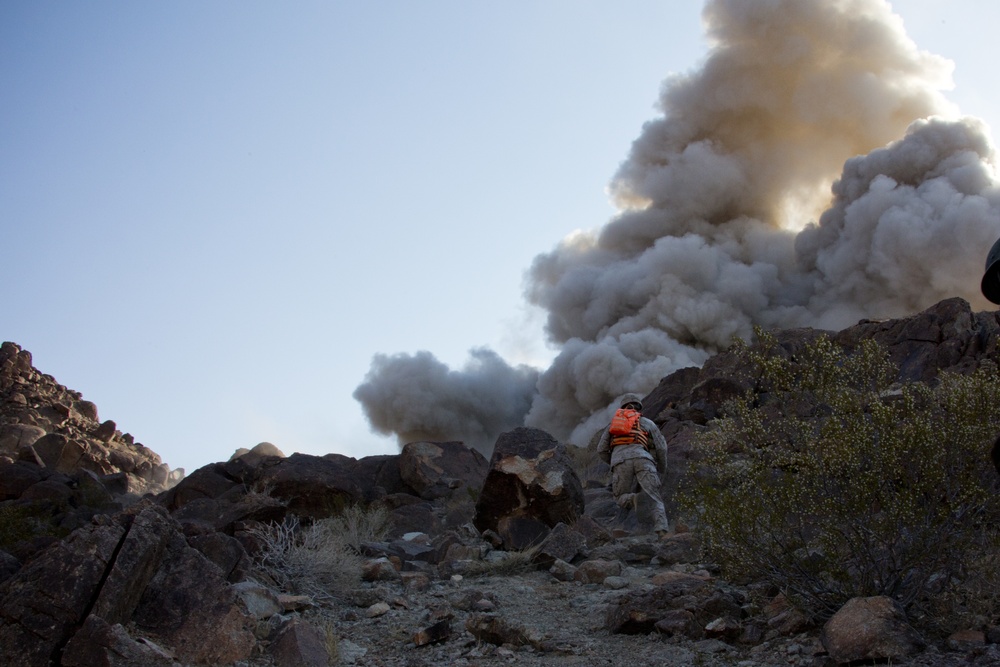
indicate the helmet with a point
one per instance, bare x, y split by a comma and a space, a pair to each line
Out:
991, 279
630, 398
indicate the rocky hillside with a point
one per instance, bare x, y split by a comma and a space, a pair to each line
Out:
432, 556
44, 423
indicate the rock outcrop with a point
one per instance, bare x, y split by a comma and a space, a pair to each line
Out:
530, 488
136, 567
91, 573
44, 423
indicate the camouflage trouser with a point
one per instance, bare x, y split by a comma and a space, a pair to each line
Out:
632, 476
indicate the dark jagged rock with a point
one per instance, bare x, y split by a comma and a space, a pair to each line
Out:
226, 552
530, 488
191, 607
105, 575
562, 543
139, 556
438, 469
385, 475
48, 599
299, 644
315, 487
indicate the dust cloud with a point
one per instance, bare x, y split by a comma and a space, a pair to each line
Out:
809, 173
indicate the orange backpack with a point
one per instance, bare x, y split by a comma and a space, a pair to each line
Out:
625, 429
624, 421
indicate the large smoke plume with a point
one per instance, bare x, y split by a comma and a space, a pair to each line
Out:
727, 220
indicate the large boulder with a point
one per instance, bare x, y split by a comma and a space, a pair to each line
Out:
530, 488
191, 607
437, 469
870, 629
48, 599
314, 486
78, 594
14, 437
946, 336
267, 488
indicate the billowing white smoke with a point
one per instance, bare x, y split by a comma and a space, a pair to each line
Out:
718, 199
910, 224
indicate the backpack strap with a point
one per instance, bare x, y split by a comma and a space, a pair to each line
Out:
637, 436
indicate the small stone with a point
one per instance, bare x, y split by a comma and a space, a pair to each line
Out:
484, 604
295, 602
965, 640
415, 582
379, 569
376, 610
434, 634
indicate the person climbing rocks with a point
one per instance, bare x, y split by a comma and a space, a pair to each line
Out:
637, 453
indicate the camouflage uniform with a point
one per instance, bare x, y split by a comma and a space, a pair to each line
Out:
634, 468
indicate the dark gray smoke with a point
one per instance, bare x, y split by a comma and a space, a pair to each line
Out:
418, 398
726, 215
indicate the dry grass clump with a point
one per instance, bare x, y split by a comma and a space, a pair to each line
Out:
257, 497
510, 563
833, 482
321, 558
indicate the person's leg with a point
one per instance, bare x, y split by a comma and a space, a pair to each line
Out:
623, 483
649, 481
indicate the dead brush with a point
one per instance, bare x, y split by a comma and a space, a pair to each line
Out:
321, 558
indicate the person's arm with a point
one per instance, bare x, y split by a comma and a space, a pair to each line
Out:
604, 446
659, 444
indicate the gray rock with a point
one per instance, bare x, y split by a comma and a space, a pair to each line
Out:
562, 543
299, 644
260, 601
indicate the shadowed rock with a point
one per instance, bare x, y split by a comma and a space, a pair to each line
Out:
437, 469
872, 628
531, 486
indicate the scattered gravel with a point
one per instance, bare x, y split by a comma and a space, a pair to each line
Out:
560, 623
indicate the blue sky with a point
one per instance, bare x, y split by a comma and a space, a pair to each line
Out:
215, 213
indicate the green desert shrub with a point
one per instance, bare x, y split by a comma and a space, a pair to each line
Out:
833, 481
321, 558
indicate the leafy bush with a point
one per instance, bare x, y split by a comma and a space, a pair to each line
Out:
20, 522
832, 481
321, 558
